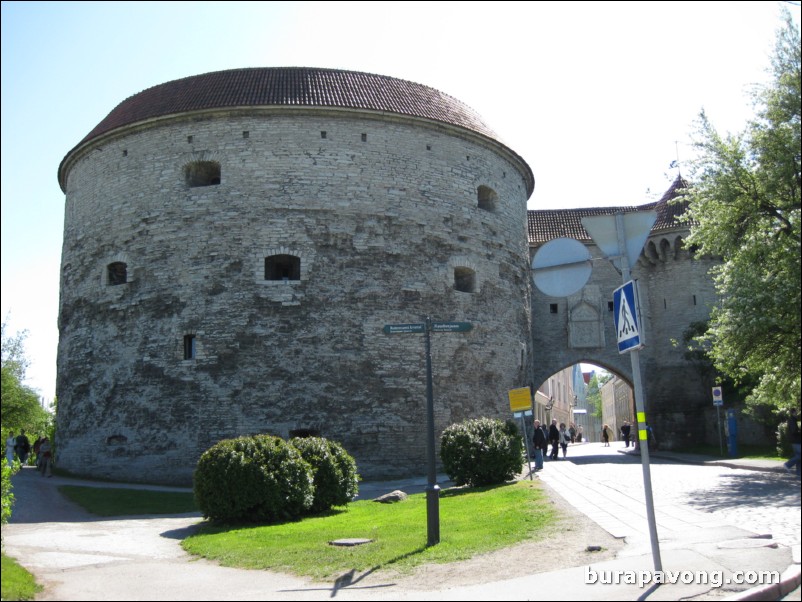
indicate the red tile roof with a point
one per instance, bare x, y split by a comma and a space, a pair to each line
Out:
292, 86
545, 225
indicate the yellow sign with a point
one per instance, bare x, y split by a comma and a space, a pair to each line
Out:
520, 399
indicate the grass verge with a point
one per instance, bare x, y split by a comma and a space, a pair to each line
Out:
17, 583
472, 521
113, 501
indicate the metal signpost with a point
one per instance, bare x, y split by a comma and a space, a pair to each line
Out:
432, 488
718, 401
562, 266
621, 238
521, 405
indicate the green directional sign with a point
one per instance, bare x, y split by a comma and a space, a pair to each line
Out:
404, 328
451, 326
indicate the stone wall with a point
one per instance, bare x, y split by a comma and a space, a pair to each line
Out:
381, 212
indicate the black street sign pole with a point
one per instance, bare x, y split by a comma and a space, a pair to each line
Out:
432, 489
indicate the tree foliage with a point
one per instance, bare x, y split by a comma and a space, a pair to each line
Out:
744, 207
593, 395
21, 407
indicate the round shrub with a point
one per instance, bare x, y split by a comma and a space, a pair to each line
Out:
333, 472
253, 479
482, 451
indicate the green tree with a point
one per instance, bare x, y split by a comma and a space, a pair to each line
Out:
21, 407
593, 395
744, 207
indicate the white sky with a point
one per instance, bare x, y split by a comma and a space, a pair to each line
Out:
597, 97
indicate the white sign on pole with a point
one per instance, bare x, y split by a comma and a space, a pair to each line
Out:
718, 398
637, 226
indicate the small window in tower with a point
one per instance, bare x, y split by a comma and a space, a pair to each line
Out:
117, 273
553, 308
464, 280
487, 198
202, 173
189, 347
282, 267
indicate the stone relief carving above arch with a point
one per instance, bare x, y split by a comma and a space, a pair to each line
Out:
585, 323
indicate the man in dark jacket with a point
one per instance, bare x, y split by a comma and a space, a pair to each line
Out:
23, 448
554, 439
540, 444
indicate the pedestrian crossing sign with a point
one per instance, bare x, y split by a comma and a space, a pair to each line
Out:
627, 326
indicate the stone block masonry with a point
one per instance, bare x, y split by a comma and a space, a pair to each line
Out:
254, 301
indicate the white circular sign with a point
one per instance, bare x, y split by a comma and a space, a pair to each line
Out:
561, 267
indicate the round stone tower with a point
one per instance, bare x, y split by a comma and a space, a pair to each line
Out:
235, 243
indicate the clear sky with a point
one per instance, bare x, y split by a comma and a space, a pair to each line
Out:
599, 98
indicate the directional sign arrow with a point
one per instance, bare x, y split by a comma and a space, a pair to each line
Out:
451, 326
404, 328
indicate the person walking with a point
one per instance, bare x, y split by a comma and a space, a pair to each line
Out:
540, 444
606, 435
794, 438
626, 431
554, 439
46, 451
23, 448
565, 439
11, 445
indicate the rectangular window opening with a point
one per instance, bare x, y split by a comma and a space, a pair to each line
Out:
189, 346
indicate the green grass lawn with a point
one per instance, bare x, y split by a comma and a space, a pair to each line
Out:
471, 521
17, 583
113, 501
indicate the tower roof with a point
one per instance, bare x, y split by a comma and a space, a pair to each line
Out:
294, 87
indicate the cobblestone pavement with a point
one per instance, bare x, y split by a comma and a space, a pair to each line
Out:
686, 496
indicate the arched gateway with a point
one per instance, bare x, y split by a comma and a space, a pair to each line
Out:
676, 291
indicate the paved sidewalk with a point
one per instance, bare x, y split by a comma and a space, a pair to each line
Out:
81, 557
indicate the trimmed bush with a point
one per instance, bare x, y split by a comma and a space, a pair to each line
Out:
253, 479
482, 451
333, 472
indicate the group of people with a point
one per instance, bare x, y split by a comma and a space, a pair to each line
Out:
19, 447
558, 436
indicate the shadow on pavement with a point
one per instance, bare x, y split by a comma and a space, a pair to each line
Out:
753, 488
